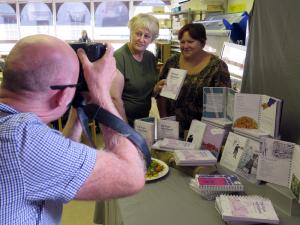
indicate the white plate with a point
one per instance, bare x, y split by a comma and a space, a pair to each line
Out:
162, 173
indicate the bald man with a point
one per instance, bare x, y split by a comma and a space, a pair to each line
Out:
40, 168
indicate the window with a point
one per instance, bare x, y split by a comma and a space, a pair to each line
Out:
8, 22
111, 19
71, 19
36, 18
102, 19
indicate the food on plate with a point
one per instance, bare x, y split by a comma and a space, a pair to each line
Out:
154, 169
245, 122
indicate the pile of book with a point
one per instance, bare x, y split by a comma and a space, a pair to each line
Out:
169, 144
194, 158
250, 209
211, 186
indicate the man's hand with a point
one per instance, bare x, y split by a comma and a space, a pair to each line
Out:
99, 74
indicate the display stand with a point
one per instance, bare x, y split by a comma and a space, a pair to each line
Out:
283, 199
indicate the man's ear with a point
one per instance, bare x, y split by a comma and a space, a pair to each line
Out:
62, 98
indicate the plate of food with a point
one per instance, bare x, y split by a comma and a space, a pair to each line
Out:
157, 170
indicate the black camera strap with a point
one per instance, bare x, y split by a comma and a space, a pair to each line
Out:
108, 119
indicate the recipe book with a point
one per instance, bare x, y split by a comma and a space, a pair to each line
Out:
295, 173
175, 79
194, 158
152, 129
240, 155
257, 115
168, 144
168, 127
278, 163
146, 127
213, 139
195, 133
218, 105
219, 182
249, 209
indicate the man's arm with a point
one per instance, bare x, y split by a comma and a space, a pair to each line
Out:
73, 129
119, 169
116, 93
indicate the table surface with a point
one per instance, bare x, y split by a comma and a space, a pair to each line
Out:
168, 201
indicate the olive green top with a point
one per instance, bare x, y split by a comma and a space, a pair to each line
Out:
139, 81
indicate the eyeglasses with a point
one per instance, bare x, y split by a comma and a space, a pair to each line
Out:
63, 86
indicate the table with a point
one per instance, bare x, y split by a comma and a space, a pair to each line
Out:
169, 201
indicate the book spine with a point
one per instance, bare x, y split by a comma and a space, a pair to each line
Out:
233, 188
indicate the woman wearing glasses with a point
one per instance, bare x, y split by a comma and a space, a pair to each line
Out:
134, 86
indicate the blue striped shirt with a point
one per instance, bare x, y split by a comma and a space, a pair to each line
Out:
40, 169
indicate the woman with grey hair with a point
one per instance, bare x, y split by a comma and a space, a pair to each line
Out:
136, 83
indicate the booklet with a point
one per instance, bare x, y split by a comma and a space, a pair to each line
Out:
168, 127
233, 150
152, 129
247, 166
241, 155
168, 144
195, 133
277, 162
295, 173
194, 158
213, 139
257, 115
146, 127
218, 105
175, 81
219, 182
248, 209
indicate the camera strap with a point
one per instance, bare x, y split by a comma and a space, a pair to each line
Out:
108, 119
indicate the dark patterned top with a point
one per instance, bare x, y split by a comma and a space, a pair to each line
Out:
188, 105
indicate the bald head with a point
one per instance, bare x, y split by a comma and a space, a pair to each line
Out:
39, 61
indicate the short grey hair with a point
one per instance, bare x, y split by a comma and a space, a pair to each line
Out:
147, 21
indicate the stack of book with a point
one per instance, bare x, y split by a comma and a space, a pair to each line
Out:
194, 158
169, 144
211, 186
246, 209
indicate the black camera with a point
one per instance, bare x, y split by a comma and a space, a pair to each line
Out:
93, 51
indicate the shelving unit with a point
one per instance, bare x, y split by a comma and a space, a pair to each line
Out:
181, 18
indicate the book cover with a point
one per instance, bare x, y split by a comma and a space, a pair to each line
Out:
175, 79
275, 161
195, 133
257, 115
213, 139
219, 182
233, 150
194, 157
252, 208
247, 166
218, 104
146, 127
168, 127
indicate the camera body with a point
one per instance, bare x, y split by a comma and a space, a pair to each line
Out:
94, 51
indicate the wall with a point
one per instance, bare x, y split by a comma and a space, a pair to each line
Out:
239, 5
